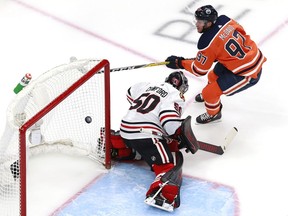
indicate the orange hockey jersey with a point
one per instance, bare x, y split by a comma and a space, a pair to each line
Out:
227, 43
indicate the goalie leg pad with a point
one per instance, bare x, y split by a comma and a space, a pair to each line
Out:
119, 150
174, 175
161, 193
171, 192
159, 171
164, 192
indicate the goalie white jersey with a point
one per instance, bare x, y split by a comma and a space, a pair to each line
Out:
157, 107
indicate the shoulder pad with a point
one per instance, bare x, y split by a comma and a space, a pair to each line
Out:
208, 36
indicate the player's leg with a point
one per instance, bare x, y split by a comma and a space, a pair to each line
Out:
212, 77
164, 192
119, 150
158, 155
211, 96
220, 78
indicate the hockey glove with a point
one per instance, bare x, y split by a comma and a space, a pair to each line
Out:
174, 62
185, 136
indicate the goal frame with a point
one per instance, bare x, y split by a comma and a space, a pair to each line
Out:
22, 130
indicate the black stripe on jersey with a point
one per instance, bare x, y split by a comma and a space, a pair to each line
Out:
130, 132
252, 67
141, 123
129, 91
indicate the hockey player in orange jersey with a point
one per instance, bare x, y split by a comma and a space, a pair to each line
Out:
236, 58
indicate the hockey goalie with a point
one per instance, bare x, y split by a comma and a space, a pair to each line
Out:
157, 107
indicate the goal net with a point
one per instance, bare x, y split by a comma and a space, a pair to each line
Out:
66, 109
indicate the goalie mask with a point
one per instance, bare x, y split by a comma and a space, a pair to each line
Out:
178, 80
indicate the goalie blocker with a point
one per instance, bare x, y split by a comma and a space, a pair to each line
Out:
186, 137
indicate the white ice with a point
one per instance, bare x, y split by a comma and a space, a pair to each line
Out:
37, 35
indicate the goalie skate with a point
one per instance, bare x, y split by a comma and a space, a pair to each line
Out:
159, 202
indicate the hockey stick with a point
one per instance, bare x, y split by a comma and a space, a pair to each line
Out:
222, 148
204, 146
136, 67
73, 59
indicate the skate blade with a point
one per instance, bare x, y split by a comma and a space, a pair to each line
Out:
211, 122
164, 206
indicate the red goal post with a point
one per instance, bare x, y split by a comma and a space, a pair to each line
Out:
66, 110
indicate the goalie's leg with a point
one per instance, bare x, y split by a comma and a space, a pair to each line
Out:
119, 150
164, 192
158, 156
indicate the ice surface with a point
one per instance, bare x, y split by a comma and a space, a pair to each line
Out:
37, 35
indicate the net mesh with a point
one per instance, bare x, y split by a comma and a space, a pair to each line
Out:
72, 127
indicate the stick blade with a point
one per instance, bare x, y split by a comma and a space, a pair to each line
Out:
211, 148
222, 148
230, 137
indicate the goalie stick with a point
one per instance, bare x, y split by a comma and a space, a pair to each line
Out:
204, 146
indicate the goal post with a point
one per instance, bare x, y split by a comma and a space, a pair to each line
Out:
66, 109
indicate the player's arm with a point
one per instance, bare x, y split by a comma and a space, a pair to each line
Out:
198, 66
202, 63
179, 62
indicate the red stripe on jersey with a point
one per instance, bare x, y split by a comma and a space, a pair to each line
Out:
168, 116
130, 99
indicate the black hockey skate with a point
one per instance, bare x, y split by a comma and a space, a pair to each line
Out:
199, 98
206, 118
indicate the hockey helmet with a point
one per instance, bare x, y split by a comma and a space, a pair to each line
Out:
206, 12
178, 80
